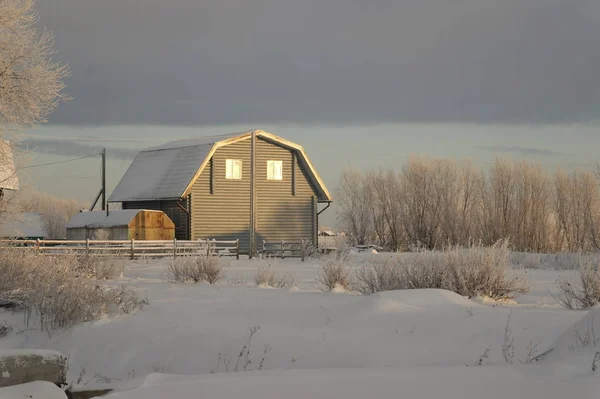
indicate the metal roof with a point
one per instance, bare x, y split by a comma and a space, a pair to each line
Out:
28, 224
168, 171
164, 172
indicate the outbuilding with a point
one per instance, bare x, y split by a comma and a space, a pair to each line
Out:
24, 226
129, 224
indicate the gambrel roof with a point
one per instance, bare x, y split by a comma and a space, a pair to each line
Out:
169, 171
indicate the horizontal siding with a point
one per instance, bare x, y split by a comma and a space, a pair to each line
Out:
224, 214
280, 214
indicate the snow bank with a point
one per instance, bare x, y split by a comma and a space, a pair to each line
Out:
33, 390
426, 383
578, 345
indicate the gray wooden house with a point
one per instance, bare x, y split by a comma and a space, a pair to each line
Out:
252, 186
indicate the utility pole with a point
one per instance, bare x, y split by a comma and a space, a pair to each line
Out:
102, 191
104, 180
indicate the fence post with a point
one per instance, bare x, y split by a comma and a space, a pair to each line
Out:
302, 250
207, 246
132, 249
38, 244
87, 247
264, 248
282, 250
175, 248
237, 248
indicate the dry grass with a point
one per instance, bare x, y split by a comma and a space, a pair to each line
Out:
50, 289
472, 272
267, 277
207, 268
585, 294
334, 274
99, 268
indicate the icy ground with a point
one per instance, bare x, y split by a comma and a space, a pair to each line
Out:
309, 344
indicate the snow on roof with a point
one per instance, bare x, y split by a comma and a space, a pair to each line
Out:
8, 174
329, 233
98, 219
28, 224
164, 172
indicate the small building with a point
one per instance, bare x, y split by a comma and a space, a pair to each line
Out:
24, 226
9, 181
252, 186
131, 224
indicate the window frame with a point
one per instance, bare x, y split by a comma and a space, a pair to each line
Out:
274, 176
233, 163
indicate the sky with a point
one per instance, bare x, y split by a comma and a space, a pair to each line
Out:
356, 82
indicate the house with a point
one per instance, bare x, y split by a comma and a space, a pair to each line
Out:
8, 175
136, 224
252, 186
23, 226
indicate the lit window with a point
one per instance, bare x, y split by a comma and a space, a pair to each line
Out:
274, 170
233, 169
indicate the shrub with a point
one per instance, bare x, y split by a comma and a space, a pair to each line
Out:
99, 268
382, 276
584, 295
472, 271
206, 267
212, 268
482, 271
267, 277
50, 288
184, 270
334, 274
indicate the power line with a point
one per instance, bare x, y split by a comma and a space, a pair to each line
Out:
57, 162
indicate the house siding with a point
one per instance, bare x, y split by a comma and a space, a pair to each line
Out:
285, 209
221, 207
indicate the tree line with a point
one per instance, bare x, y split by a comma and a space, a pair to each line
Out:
434, 203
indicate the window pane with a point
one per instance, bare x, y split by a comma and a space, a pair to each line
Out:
233, 169
274, 170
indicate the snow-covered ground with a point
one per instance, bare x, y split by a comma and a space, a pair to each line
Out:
306, 343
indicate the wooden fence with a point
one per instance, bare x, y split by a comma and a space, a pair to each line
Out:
129, 248
284, 249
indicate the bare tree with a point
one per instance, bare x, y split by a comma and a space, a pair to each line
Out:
55, 212
532, 208
353, 201
31, 83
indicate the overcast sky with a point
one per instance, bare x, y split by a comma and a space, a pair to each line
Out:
190, 62
399, 76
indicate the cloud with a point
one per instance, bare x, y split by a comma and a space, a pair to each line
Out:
70, 148
528, 151
210, 62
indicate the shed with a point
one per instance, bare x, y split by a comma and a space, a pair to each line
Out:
137, 224
25, 226
250, 186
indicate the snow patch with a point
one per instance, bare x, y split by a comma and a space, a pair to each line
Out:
34, 390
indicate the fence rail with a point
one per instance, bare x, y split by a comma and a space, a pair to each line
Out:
129, 248
284, 249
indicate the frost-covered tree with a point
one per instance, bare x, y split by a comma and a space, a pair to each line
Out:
31, 82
